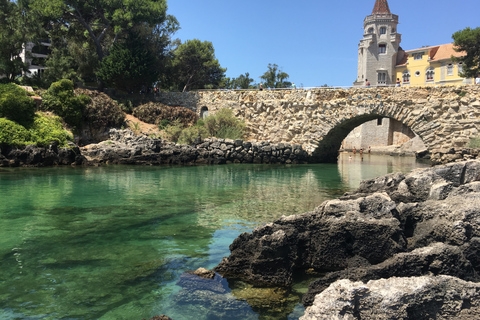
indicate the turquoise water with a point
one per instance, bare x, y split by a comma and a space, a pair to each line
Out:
112, 242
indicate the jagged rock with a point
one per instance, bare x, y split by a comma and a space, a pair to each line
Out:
423, 223
413, 298
438, 258
33, 156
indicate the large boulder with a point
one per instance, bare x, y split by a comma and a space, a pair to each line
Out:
413, 298
423, 223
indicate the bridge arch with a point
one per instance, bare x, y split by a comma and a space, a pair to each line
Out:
329, 145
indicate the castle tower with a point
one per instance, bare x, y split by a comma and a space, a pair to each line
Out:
377, 51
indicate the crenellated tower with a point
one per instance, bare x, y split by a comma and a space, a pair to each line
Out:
377, 51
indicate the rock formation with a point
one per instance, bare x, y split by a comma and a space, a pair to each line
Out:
33, 156
400, 231
124, 147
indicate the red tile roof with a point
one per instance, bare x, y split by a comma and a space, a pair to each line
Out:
436, 53
381, 6
446, 51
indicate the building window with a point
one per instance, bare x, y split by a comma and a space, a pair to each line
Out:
382, 48
406, 76
418, 56
430, 74
370, 30
382, 78
379, 121
417, 73
383, 30
459, 68
450, 69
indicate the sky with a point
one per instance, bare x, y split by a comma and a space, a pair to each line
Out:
314, 41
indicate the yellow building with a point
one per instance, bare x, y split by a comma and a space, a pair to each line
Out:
430, 66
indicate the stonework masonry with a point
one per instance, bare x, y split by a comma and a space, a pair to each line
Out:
319, 119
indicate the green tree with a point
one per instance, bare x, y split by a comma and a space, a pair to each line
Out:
275, 78
242, 82
12, 39
97, 25
194, 66
468, 40
130, 65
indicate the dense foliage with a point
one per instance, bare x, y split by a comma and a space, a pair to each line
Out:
130, 66
12, 133
127, 45
15, 104
101, 111
42, 131
154, 113
48, 128
60, 98
97, 25
468, 40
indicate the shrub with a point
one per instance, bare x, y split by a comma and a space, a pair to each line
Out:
15, 104
12, 133
60, 98
173, 131
163, 124
190, 134
154, 113
48, 128
101, 111
224, 125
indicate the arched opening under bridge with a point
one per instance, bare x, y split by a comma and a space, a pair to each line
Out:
364, 131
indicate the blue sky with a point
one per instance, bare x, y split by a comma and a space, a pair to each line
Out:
314, 41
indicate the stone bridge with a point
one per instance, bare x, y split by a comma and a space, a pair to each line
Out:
319, 119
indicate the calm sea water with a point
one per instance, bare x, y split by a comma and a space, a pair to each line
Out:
112, 242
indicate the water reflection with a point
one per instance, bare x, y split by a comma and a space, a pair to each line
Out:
112, 242
354, 168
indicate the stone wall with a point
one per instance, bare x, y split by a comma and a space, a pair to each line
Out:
124, 147
319, 119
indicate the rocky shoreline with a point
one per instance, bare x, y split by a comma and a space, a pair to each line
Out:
125, 147
400, 247
33, 156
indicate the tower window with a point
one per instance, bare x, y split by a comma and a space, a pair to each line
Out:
382, 48
382, 78
370, 30
383, 30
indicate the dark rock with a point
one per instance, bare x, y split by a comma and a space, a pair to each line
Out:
426, 223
